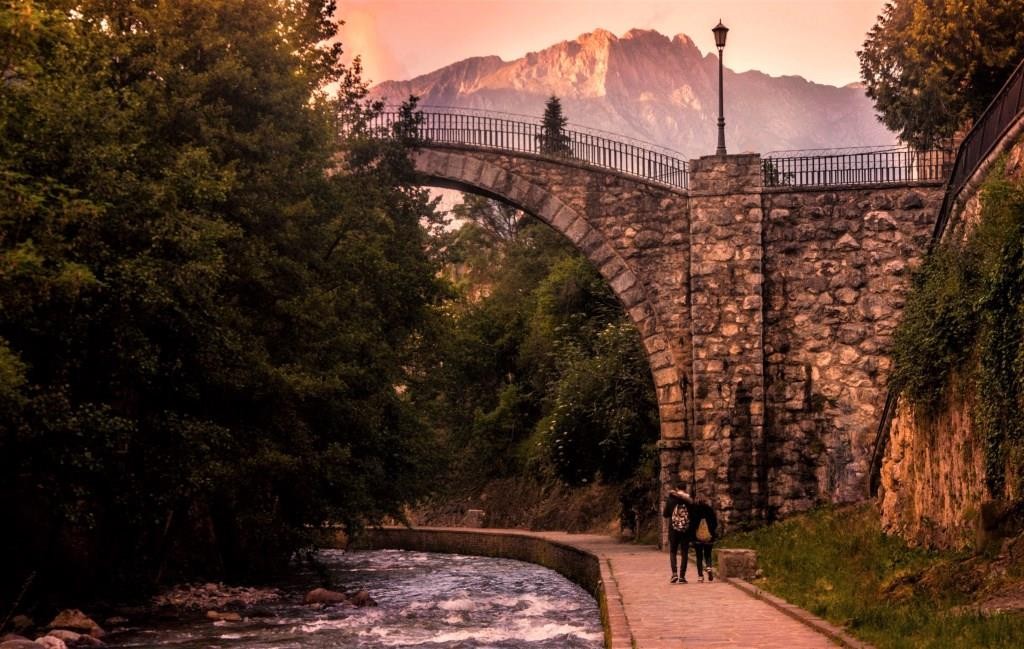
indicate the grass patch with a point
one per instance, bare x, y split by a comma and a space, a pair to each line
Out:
837, 564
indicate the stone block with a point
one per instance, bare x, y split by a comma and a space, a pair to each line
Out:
472, 168
474, 518
489, 175
455, 165
561, 219
673, 429
579, 229
622, 282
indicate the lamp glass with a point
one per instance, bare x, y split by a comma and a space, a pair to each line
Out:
720, 31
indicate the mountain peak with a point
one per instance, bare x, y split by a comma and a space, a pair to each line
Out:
646, 85
637, 33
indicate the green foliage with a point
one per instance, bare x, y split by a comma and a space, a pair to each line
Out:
837, 564
963, 317
938, 326
202, 328
552, 139
932, 66
537, 369
602, 414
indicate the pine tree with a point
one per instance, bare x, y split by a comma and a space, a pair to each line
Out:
553, 139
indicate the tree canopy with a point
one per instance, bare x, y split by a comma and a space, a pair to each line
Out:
932, 66
537, 370
209, 279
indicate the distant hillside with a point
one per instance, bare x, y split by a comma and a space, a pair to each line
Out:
647, 86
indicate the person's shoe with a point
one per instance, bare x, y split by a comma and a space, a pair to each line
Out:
674, 579
682, 580
711, 575
700, 579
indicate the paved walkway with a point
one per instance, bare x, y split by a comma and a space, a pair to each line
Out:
689, 616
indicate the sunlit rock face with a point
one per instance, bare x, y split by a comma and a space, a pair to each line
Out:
647, 86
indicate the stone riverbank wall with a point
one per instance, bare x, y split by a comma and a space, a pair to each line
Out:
933, 482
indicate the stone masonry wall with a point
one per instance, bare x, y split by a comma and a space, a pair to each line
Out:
933, 489
837, 267
726, 285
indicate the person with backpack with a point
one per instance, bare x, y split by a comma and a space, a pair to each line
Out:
704, 524
678, 511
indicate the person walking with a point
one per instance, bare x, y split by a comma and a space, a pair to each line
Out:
704, 523
678, 511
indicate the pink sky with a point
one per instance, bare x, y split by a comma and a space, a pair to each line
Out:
816, 39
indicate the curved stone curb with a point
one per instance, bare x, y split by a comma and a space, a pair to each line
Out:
616, 625
835, 633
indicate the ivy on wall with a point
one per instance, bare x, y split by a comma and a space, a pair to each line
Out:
965, 315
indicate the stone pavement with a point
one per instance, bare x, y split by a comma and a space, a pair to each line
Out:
714, 615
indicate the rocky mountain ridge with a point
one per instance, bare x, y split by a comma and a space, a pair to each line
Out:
647, 86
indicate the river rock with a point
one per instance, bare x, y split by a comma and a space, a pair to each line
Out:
21, 623
18, 642
116, 620
75, 639
362, 598
75, 620
324, 596
50, 642
223, 616
203, 597
67, 636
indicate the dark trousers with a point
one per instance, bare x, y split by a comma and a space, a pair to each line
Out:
678, 541
703, 552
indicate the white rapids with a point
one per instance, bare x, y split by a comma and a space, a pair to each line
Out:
426, 601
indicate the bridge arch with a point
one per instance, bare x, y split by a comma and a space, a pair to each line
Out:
588, 207
765, 290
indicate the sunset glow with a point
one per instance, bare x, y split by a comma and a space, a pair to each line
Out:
400, 39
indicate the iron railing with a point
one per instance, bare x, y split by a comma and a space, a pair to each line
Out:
838, 169
990, 128
508, 133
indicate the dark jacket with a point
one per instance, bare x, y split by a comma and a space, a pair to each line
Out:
703, 511
671, 503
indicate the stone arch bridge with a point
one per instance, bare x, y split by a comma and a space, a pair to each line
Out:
765, 290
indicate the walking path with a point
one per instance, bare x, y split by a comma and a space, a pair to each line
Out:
661, 615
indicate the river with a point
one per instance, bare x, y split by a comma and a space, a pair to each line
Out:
426, 601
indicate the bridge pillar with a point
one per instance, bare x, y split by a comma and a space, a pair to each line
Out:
727, 322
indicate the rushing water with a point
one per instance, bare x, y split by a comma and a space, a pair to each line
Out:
426, 601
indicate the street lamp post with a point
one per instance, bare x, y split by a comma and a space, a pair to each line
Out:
720, 31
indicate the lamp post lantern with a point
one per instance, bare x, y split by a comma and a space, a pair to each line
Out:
720, 31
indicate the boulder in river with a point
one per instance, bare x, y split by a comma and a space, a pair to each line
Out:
324, 596
75, 639
51, 642
18, 642
203, 597
362, 598
223, 616
75, 620
21, 623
